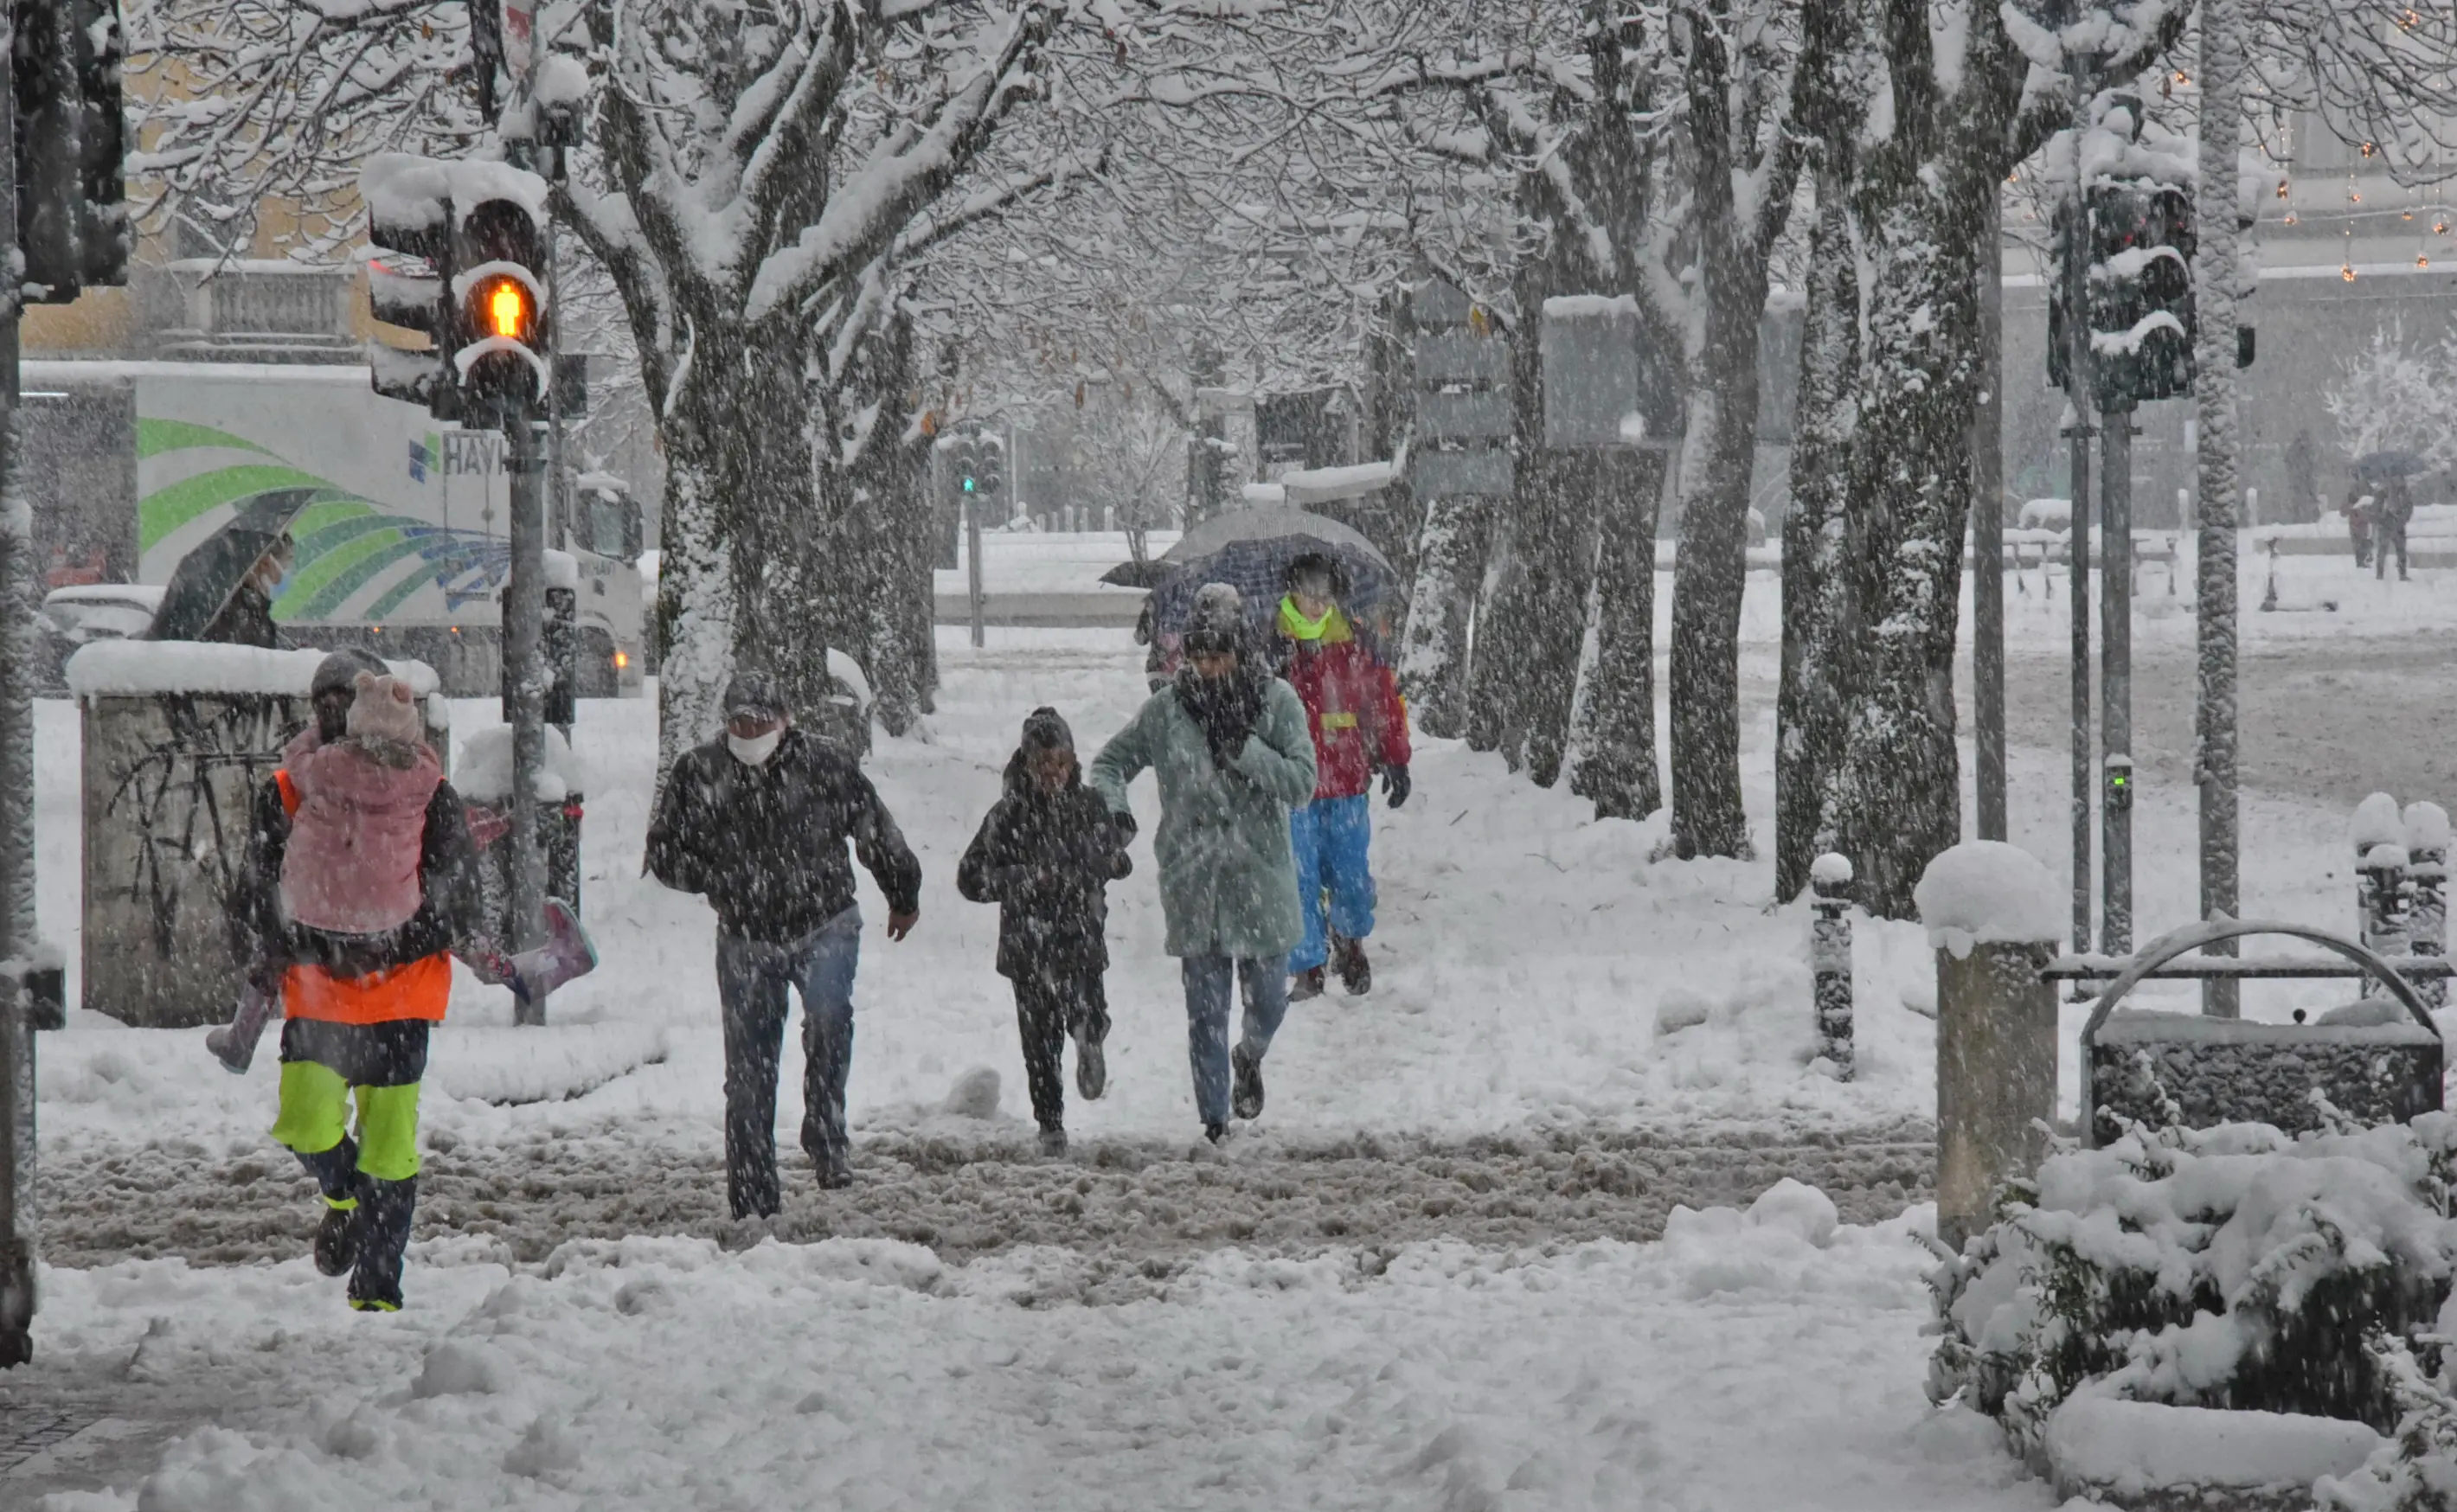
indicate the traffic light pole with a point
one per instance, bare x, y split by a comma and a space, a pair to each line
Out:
524, 679
2115, 681
17, 1211
973, 563
2079, 396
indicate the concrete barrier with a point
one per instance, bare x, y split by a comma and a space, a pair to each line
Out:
176, 738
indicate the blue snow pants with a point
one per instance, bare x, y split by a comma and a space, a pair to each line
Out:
1330, 837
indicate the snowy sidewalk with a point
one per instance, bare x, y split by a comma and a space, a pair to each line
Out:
1736, 1364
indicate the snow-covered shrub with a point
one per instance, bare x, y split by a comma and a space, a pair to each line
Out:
2416, 1471
2226, 1267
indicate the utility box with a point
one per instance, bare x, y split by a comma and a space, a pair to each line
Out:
176, 738
1605, 385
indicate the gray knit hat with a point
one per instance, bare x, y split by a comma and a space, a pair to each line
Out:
1043, 730
1218, 622
338, 672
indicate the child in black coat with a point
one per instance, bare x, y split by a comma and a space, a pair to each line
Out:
1045, 855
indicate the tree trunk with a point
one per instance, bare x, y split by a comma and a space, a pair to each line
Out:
1709, 574
1450, 571
2216, 283
1811, 727
1547, 624
890, 528
1616, 714
1921, 215
1494, 721
743, 566
1711, 571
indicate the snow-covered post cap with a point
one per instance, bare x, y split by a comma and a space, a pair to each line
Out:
1830, 870
2386, 856
2426, 829
1988, 892
2376, 822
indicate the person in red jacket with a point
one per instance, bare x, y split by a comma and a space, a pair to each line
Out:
1360, 726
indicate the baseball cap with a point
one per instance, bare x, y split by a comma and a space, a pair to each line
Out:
755, 695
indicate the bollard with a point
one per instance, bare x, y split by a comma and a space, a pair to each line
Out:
2426, 874
2381, 885
1993, 918
1830, 959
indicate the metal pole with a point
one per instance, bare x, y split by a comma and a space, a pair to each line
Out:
973, 559
524, 680
2079, 396
1829, 955
2115, 681
19, 1218
556, 480
1988, 540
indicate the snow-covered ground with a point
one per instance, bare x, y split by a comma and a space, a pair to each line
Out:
1412, 1282
1736, 1363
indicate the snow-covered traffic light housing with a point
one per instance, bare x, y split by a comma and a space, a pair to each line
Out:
72, 229
457, 255
989, 475
498, 287
2142, 318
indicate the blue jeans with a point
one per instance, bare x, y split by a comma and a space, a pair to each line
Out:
750, 982
1207, 1020
1330, 837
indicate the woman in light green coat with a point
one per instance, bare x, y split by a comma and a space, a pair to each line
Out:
1231, 746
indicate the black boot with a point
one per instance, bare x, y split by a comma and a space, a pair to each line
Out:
384, 1216
1092, 1067
337, 1241
1356, 971
336, 1247
1246, 1094
1306, 985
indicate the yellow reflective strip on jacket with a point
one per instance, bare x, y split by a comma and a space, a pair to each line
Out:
1339, 722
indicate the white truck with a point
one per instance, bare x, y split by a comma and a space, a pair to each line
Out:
400, 549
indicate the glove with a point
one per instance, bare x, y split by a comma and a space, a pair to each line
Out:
1395, 784
1125, 822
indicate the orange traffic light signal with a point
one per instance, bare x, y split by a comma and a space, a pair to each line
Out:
503, 306
507, 309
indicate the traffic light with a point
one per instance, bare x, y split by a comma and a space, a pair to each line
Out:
2141, 320
499, 287
457, 256
966, 467
992, 478
71, 215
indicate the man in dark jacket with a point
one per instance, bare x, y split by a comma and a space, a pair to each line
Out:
358, 1011
1045, 856
757, 821
2390, 517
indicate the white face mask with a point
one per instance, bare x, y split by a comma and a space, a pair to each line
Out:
757, 750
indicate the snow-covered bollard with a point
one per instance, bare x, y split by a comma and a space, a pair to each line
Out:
2381, 885
2375, 821
1829, 958
2427, 873
1993, 916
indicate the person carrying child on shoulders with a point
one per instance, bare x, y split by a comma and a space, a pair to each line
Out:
1045, 854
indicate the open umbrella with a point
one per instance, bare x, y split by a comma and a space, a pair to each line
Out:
1250, 549
2388, 464
207, 578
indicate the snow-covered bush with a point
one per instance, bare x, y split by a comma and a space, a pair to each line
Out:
2417, 1470
2226, 1267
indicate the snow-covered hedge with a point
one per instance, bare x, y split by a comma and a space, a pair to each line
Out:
2229, 1267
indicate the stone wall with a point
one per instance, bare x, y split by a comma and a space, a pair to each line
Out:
2251, 1072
